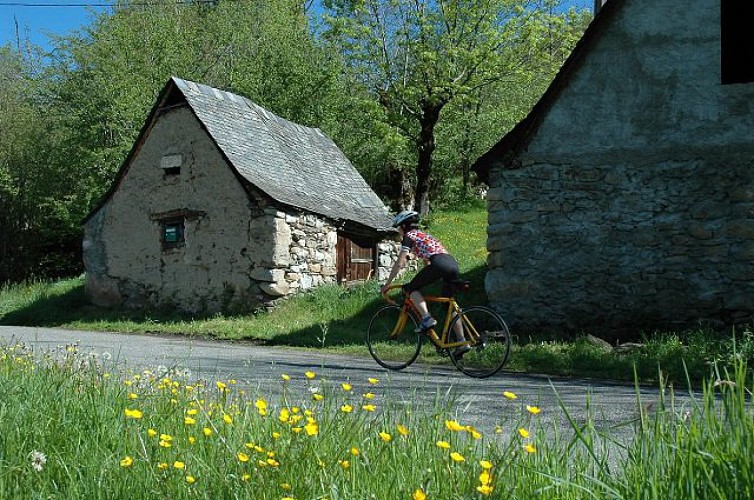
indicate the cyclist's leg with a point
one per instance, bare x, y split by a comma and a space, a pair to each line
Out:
448, 267
428, 275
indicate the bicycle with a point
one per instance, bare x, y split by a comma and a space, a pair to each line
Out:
394, 340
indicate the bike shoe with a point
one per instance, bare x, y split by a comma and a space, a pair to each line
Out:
426, 324
459, 351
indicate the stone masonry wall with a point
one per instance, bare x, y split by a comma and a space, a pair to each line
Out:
614, 249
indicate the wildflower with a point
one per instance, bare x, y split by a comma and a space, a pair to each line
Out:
190, 479
443, 444
221, 386
486, 464
524, 433
133, 395
191, 440
227, 419
457, 457
474, 433
38, 460
287, 498
151, 433
284, 415
242, 457
484, 489
207, 431
126, 461
510, 395
452, 425
261, 405
135, 414
275, 435
318, 397
368, 395
419, 495
162, 466
310, 375
312, 429
191, 412
165, 444
245, 477
189, 421
344, 464
272, 462
285, 486
385, 436
533, 409
485, 477
346, 386
355, 451
530, 448
286, 377
402, 430
179, 465
368, 407
166, 437
373, 381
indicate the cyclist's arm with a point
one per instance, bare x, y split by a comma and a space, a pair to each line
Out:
399, 264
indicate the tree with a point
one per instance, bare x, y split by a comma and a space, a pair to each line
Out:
418, 56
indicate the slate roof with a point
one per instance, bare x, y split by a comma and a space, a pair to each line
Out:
295, 165
519, 136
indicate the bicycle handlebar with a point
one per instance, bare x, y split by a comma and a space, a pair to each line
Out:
385, 294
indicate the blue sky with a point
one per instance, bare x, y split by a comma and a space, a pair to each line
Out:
38, 19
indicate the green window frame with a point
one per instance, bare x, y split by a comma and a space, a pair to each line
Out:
172, 233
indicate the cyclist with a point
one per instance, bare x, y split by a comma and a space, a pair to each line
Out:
439, 264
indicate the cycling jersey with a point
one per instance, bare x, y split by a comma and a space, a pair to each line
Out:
423, 244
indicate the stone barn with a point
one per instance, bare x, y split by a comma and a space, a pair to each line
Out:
221, 205
624, 201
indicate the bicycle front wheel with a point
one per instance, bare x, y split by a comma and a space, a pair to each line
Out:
392, 338
489, 339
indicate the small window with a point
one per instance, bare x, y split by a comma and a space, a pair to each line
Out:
171, 165
736, 40
172, 233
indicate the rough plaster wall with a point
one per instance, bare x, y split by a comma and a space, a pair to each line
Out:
222, 246
633, 207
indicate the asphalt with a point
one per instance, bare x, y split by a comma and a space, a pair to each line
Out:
611, 407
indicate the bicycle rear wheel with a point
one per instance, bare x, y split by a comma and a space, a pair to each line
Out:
393, 345
490, 342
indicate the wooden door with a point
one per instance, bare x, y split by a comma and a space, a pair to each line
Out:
355, 263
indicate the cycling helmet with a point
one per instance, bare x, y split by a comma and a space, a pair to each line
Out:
406, 217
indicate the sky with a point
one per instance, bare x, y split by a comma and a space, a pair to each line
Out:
37, 20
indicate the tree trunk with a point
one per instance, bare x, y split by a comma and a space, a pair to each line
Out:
425, 144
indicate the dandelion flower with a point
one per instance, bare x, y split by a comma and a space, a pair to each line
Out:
443, 444
452, 425
312, 429
272, 462
189, 421
533, 409
346, 386
192, 440
373, 381
162, 466
261, 405
486, 464
310, 375
286, 377
245, 477
126, 461
385, 436
135, 414
151, 433
368, 407
275, 435
166, 437
457, 457
485, 477
318, 397
485, 489
355, 451
191, 412
190, 479
221, 386
179, 465
402, 430
345, 464
227, 419
419, 495
207, 431
346, 408
165, 444
510, 395
530, 448
133, 395
242, 457
524, 433
368, 395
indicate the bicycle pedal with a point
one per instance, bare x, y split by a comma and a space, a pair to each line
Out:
442, 352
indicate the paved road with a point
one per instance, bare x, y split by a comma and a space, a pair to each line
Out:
479, 403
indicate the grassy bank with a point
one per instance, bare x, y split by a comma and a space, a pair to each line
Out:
336, 318
72, 428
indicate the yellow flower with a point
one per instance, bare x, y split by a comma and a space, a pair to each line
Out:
312, 429
136, 414
221, 386
275, 435
457, 457
132, 395
192, 412
191, 440
310, 375
355, 451
151, 433
475, 434
207, 431
530, 448
419, 495
485, 478
287, 498
524, 433
166, 437
344, 463
373, 381
126, 461
179, 465
245, 477
285, 486
189, 421
162, 466
165, 444
486, 464
242, 457
533, 409
510, 395
261, 405
385, 436
452, 425
284, 415
443, 444
286, 377
485, 489
227, 419
368, 395
402, 430
368, 407
190, 479
346, 408
346, 386
272, 462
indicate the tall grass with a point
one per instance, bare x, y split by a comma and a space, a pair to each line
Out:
69, 428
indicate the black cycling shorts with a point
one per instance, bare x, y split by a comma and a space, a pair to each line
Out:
441, 266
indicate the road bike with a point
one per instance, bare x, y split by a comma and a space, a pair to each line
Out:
394, 339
